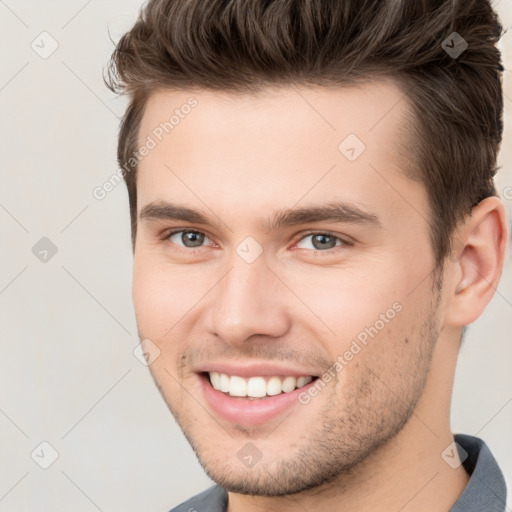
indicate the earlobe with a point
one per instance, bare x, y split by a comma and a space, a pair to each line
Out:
483, 239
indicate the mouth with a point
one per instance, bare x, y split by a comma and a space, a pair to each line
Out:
257, 387
253, 395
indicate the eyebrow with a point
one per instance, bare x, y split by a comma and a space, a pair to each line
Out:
162, 210
331, 212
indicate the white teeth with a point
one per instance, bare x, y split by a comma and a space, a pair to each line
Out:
237, 386
224, 383
288, 384
215, 378
302, 381
256, 387
274, 386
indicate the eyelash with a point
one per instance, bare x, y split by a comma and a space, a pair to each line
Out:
344, 243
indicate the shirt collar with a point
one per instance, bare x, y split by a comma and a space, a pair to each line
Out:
486, 489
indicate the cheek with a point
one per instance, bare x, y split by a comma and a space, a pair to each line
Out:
161, 308
147, 295
161, 294
348, 300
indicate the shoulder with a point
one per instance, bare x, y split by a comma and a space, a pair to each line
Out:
214, 499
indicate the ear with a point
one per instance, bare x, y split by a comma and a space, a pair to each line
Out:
480, 246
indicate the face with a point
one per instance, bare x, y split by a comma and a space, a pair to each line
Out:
283, 278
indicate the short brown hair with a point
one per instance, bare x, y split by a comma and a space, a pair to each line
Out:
245, 45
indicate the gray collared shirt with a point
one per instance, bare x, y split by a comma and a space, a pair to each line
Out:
485, 492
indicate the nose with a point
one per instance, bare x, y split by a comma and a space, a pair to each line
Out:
249, 301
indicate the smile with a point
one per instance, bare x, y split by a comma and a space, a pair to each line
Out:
256, 387
252, 399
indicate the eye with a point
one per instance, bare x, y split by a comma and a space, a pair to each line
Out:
320, 242
187, 238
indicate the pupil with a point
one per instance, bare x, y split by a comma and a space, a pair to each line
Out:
192, 239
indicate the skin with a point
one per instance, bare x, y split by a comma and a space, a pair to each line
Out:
372, 439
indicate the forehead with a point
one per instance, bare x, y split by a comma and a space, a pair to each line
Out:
278, 145
373, 111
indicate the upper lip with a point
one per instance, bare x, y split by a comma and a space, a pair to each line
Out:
256, 369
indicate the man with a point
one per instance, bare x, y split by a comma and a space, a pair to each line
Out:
314, 224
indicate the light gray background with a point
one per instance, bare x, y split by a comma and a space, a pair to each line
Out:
68, 375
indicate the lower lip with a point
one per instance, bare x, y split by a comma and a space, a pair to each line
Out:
249, 412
